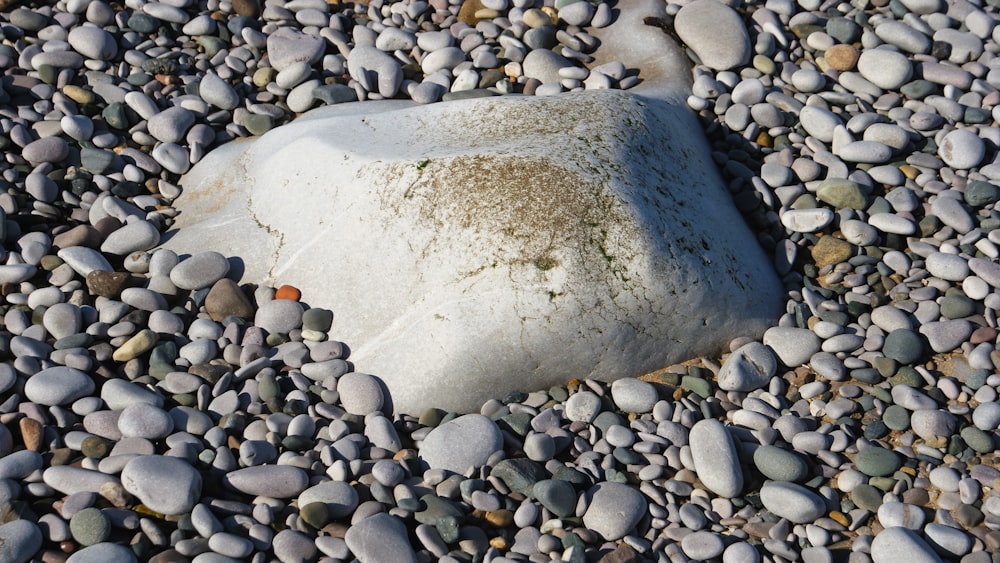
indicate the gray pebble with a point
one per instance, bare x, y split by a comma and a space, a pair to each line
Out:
199, 271
278, 481
614, 510
165, 484
19, 540
897, 543
634, 395
748, 368
380, 537
360, 393
715, 459
461, 443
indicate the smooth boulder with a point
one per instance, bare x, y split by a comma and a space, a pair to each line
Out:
474, 248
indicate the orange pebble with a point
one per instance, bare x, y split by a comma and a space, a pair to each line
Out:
288, 292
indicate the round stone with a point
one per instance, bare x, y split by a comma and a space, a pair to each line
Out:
841, 57
559, 497
614, 510
165, 484
962, 149
634, 395
57, 386
903, 345
339, 498
461, 443
715, 32
793, 502
360, 393
199, 271
748, 368
779, 464
877, 462
393, 542
93, 42
19, 541
90, 526
901, 544
885, 68
279, 316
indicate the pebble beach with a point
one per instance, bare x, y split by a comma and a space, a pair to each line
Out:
156, 407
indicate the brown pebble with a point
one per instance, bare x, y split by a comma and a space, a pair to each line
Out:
841, 57
500, 518
498, 542
622, 554
169, 556
227, 299
467, 13
53, 556
831, 250
107, 225
80, 235
248, 8
107, 284
32, 433
983, 334
95, 447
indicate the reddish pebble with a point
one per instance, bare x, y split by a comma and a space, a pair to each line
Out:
983, 334
288, 292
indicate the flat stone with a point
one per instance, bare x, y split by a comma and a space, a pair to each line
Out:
105, 551
461, 443
892, 514
945, 336
489, 315
842, 193
47, 149
903, 36
544, 65
715, 458
715, 33
903, 345
171, 125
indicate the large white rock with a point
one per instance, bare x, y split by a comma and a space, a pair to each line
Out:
478, 247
